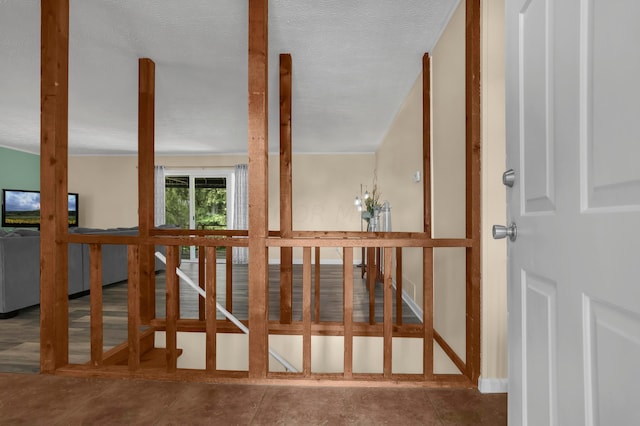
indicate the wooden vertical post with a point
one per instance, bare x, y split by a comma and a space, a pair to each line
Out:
54, 95
427, 252
426, 143
286, 191
258, 188
133, 311
473, 175
146, 193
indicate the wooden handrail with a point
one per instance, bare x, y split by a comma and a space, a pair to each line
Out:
367, 242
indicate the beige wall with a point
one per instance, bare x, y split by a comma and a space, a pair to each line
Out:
448, 186
108, 193
398, 158
494, 255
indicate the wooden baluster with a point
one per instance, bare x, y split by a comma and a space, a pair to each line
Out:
387, 312
286, 190
399, 285
316, 307
378, 264
229, 279
348, 311
306, 312
427, 303
210, 290
172, 308
202, 273
133, 295
95, 296
371, 280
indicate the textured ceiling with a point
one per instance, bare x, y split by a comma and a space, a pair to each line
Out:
354, 62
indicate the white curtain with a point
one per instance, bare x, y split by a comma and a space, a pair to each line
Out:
240, 219
158, 196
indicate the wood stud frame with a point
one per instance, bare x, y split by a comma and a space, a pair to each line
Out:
55, 238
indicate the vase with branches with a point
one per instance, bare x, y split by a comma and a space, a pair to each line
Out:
372, 206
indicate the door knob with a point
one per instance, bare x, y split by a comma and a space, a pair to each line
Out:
508, 178
500, 232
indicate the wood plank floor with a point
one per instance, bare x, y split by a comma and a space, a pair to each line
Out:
19, 336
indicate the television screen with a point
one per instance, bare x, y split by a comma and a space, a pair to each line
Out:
73, 209
21, 208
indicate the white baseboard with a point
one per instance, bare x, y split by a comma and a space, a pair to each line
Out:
493, 385
417, 311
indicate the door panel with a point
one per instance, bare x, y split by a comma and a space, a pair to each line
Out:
539, 308
612, 177
573, 272
536, 109
612, 337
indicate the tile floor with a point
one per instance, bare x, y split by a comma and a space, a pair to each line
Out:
53, 400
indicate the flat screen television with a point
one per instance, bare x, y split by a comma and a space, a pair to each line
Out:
21, 208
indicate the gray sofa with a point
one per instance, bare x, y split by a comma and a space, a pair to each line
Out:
20, 266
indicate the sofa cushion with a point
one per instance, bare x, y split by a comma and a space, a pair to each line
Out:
79, 230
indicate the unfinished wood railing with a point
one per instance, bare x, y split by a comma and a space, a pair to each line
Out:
138, 356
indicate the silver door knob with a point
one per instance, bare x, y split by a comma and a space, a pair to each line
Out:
508, 178
500, 232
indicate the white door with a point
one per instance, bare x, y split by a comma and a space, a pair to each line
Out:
573, 139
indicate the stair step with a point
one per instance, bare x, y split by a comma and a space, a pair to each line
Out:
154, 358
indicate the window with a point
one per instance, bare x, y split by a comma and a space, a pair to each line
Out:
198, 200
